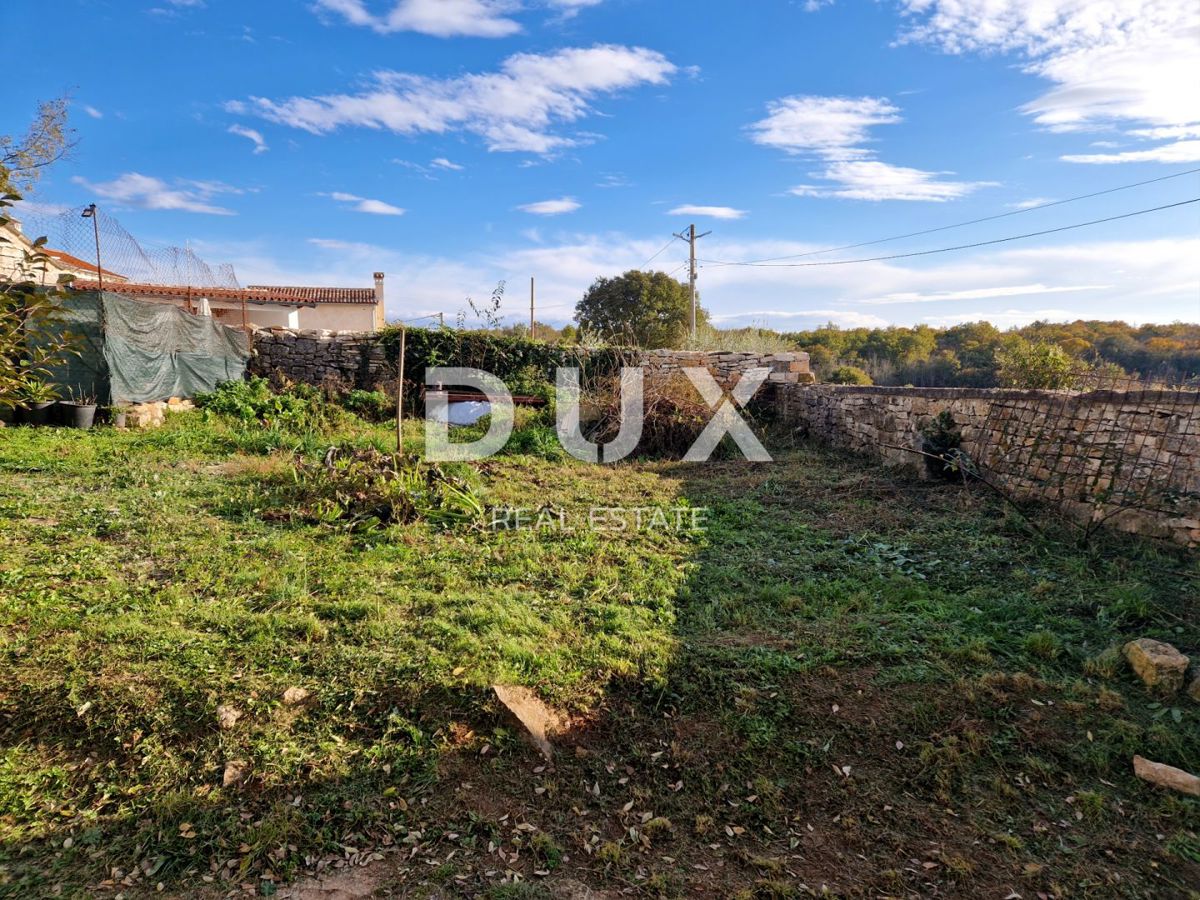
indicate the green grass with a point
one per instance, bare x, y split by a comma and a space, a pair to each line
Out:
979, 706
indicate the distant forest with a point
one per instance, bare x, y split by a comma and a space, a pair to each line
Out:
978, 354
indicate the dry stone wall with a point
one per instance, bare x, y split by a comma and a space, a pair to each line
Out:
312, 357
1130, 460
357, 358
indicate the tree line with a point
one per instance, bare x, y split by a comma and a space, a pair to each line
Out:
978, 354
651, 309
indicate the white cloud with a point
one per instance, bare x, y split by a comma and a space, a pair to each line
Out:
551, 207
93, 112
1152, 280
830, 127
440, 18
1179, 152
782, 317
513, 109
442, 163
353, 249
712, 212
175, 7
870, 179
1006, 318
1030, 203
147, 192
833, 129
1016, 290
613, 180
1112, 62
260, 144
365, 204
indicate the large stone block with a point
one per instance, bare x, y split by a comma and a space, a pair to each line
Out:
1160, 666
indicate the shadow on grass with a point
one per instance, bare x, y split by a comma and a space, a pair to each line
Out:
878, 687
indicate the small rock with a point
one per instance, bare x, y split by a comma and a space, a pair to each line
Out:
294, 696
1193, 690
1159, 665
236, 771
227, 717
1166, 776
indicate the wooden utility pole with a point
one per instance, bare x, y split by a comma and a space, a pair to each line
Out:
691, 237
532, 324
400, 399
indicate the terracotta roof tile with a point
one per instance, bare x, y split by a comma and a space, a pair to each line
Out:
320, 294
258, 294
76, 263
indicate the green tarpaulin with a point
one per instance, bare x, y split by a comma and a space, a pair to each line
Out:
132, 351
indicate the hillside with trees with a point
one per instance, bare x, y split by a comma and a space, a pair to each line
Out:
978, 354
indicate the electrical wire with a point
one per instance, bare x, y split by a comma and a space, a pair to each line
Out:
659, 253
1005, 215
1015, 237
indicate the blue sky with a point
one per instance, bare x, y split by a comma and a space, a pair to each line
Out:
453, 143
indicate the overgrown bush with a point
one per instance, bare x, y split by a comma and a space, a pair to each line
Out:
941, 441
674, 414
503, 356
848, 375
34, 339
374, 406
293, 407
365, 490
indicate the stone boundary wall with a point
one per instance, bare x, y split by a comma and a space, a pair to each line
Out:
357, 358
1128, 459
311, 357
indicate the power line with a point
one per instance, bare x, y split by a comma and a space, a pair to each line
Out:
1005, 215
1015, 237
659, 253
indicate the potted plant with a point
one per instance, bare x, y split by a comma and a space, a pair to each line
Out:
116, 416
37, 398
79, 411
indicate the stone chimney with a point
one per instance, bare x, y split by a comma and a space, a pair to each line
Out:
379, 288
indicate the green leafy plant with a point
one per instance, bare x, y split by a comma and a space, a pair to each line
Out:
35, 390
374, 406
296, 407
34, 340
848, 375
365, 489
941, 442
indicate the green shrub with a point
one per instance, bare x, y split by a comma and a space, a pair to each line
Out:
374, 406
848, 375
298, 407
366, 489
505, 357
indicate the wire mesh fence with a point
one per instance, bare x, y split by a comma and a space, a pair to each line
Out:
121, 253
1115, 447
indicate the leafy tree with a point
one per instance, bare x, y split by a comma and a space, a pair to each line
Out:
848, 375
1035, 364
48, 140
33, 339
650, 309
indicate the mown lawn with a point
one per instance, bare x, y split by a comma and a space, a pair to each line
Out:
848, 683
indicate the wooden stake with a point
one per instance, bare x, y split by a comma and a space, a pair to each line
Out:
400, 397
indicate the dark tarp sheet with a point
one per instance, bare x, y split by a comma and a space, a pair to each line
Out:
155, 351
82, 374
133, 351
